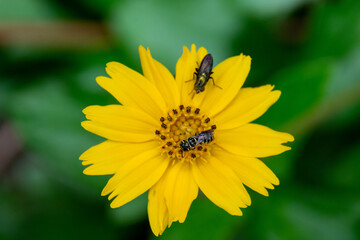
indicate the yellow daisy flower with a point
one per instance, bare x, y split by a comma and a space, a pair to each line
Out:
158, 111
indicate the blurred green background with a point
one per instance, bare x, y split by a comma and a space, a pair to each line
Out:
52, 50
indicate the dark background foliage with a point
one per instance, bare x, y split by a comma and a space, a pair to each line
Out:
52, 50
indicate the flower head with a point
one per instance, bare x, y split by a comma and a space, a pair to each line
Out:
158, 112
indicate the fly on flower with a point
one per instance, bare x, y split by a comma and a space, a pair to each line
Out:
203, 74
191, 142
144, 133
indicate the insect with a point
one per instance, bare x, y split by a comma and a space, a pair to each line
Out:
203, 74
190, 143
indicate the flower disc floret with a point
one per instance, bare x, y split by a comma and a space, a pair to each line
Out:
180, 124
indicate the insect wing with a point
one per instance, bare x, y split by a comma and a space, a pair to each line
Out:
206, 65
205, 137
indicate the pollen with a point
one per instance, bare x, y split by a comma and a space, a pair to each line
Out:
179, 124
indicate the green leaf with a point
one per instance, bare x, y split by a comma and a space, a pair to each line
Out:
345, 75
48, 120
10, 217
34, 204
345, 174
131, 212
26, 10
204, 221
101, 7
4, 95
313, 92
166, 26
302, 89
266, 8
305, 214
334, 29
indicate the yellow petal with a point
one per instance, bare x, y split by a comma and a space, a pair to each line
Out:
170, 198
220, 184
180, 190
248, 105
185, 69
230, 75
108, 156
160, 77
251, 171
132, 89
200, 54
120, 123
253, 140
157, 209
132, 163
135, 177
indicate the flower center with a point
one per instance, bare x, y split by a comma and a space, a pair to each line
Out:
185, 133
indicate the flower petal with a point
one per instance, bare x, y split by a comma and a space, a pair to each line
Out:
253, 140
170, 198
248, 105
230, 75
185, 69
119, 123
200, 54
135, 177
180, 190
132, 89
251, 171
220, 184
157, 209
160, 77
108, 156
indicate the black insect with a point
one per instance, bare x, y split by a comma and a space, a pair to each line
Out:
191, 142
203, 74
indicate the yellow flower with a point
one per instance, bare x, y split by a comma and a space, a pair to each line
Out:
158, 112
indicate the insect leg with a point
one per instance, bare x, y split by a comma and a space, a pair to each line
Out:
214, 83
194, 77
190, 80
